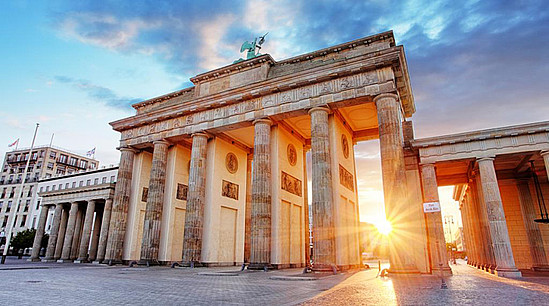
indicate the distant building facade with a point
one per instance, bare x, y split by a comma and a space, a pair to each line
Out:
45, 162
82, 200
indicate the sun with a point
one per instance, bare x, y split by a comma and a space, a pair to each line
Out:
384, 227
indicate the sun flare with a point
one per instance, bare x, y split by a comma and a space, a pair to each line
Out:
383, 227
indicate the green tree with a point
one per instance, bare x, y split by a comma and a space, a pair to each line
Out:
22, 240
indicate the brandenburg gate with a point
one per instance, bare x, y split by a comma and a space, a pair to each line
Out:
215, 174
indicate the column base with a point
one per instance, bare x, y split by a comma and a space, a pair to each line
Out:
49, 260
34, 259
81, 260
511, 273
112, 262
404, 269
65, 260
148, 262
260, 266
540, 268
97, 262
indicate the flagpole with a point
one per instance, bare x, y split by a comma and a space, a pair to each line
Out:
16, 208
51, 140
16, 144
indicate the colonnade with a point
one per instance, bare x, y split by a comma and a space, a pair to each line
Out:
79, 231
485, 227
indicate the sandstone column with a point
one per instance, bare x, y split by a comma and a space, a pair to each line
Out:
306, 220
35, 255
117, 227
95, 237
503, 254
437, 243
65, 256
155, 200
324, 256
248, 219
86, 232
260, 247
103, 236
482, 229
77, 235
61, 235
391, 144
535, 240
52, 241
196, 200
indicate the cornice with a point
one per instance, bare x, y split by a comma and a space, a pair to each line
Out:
366, 62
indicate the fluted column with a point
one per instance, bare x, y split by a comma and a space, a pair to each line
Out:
391, 143
196, 200
77, 235
306, 221
67, 244
260, 247
52, 241
535, 240
86, 232
501, 245
117, 227
324, 256
437, 243
61, 236
103, 236
155, 199
248, 219
35, 255
95, 237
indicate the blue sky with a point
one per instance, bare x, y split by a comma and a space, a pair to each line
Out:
74, 66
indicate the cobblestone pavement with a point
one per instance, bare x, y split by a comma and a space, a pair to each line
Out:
87, 284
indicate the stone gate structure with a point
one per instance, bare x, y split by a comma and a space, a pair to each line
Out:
216, 174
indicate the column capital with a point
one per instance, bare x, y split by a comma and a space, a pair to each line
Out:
93, 200
128, 149
488, 158
384, 96
544, 153
161, 142
427, 165
263, 120
200, 134
320, 108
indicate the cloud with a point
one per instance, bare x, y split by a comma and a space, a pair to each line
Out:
99, 93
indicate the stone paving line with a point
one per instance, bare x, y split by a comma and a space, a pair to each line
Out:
88, 284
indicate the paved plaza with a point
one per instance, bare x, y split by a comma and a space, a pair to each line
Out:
87, 284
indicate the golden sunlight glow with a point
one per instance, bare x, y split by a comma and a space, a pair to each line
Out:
383, 227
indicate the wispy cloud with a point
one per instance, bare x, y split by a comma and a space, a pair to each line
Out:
99, 93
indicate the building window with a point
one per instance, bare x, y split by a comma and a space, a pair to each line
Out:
29, 194
93, 165
63, 158
52, 187
112, 179
73, 184
38, 205
5, 221
73, 161
96, 181
104, 180
23, 221
88, 182
48, 175
67, 186
52, 154
41, 188
50, 166
27, 206
47, 188
8, 208
39, 165
81, 184
1, 204
83, 164
60, 186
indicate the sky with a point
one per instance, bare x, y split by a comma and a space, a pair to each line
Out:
74, 66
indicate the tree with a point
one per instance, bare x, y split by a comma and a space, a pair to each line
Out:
23, 240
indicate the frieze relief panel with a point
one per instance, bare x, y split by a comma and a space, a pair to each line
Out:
346, 178
229, 190
182, 191
364, 83
291, 184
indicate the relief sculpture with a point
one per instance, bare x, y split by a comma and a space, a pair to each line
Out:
291, 184
346, 178
229, 190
